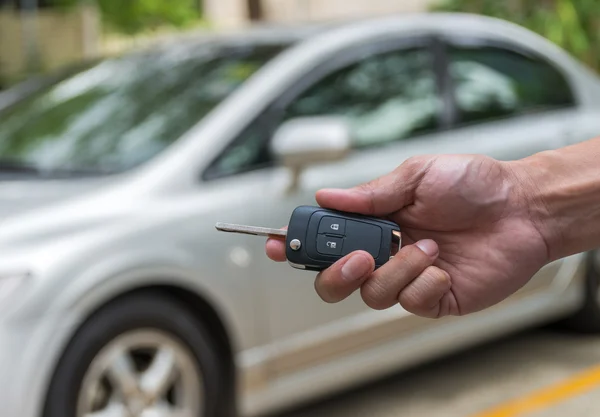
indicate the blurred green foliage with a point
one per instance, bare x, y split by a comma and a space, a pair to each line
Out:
133, 16
572, 24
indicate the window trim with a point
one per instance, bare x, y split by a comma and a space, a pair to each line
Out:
272, 113
447, 41
264, 121
444, 81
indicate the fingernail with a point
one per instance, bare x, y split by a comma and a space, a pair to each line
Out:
429, 247
447, 280
356, 268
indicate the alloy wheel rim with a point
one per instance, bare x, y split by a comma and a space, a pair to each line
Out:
142, 373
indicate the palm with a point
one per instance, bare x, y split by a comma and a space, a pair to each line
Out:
467, 204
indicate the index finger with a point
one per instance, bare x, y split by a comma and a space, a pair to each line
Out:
275, 249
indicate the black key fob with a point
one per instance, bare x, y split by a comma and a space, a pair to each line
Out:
318, 237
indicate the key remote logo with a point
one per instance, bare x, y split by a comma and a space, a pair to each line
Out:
335, 226
331, 245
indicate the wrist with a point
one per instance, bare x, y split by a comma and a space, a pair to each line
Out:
532, 178
560, 192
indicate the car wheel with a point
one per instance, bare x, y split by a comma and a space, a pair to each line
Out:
142, 355
587, 319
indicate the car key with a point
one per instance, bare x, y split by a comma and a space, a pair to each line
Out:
317, 237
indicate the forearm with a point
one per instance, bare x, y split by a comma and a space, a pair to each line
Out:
564, 196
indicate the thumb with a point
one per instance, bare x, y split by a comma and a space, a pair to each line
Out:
382, 196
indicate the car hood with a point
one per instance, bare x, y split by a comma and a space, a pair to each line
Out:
34, 211
20, 197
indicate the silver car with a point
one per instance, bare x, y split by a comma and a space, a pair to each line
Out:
119, 298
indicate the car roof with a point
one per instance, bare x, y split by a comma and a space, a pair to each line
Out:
255, 35
289, 33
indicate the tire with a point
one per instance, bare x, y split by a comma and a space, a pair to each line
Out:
587, 319
139, 321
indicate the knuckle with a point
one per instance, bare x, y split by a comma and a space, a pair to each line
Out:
412, 303
368, 188
429, 273
412, 163
409, 300
373, 295
412, 259
423, 297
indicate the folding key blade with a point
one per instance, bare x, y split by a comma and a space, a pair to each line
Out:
252, 230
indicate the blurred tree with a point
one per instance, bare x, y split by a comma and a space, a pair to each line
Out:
572, 24
133, 16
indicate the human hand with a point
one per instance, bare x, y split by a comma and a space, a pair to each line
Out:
470, 237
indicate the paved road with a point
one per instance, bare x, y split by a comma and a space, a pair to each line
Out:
540, 373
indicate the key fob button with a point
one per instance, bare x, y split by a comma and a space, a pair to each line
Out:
362, 236
332, 225
329, 245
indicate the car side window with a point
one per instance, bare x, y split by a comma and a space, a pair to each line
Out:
385, 98
249, 152
492, 83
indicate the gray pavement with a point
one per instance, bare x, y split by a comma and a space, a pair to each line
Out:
472, 383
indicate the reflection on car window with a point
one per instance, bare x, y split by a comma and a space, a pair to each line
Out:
491, 83
385, 98
122, 112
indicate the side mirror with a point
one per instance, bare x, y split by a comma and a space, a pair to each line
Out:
311, 140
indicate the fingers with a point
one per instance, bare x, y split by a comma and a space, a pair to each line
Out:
408, 278
382, 290
429, 294
344, 277
381, 196
275, 249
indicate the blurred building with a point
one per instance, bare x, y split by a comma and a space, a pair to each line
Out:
232, 13
42, 38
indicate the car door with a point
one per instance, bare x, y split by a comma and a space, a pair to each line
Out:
508, 102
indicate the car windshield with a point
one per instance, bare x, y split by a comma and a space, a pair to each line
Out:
119, 113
